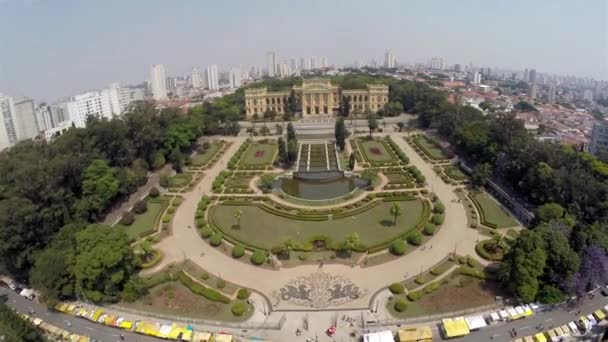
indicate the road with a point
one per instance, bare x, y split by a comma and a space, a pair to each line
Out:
79, 326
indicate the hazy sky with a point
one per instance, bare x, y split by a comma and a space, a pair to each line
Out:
53, 48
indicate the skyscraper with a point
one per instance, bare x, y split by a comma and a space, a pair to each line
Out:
158, 82
303, 63
211, 76
476, 78
26, 123
271, 63
8, 134
436, 63
235, 78
389, 59
532, 90
552, 91
196, 79
324, 62
532, 76
294, 65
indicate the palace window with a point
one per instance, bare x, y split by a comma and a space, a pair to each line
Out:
267, 101
325, 110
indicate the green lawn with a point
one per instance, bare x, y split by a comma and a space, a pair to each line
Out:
398, 177
258, 154
375, 151
491, 212
204, 158
145, 222
180, 180
262, 229
429, 148
455, 173
238, 181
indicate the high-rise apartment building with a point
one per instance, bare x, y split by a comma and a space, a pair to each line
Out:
324, 62
122, 97
293, 65
436, 63
532, 76
158, 82
476, 78
389, 59
532, 91
93, 103
8, 133
235, 78
26, 122
271, 63
197, 82
211, 77
552, 92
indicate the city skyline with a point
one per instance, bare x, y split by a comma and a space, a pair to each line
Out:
469, 32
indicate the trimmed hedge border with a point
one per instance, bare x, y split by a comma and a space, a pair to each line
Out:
482, 215
479, 248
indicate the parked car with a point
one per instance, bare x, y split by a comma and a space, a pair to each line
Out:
27, 293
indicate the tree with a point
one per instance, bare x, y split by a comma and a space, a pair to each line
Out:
351, 242
283, 155
286, 248
372, 123
13, 328
550, 211
369, 176
267, 182
278, 128
391, 109
99, 186
481, 175
159, 160
291, 132
292, 103
264, 131
345, 108
351, 161
292, 150
237, 217
177, 160
395, 211
592, 273
270, 114
340, 133
525, 106
104, 262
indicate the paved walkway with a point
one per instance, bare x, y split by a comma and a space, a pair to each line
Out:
185, 242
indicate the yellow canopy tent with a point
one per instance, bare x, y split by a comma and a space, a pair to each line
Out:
127, 325
222, 338
528, 339
421, 334
187, 336
599, 314
540, 337
455, 327
96, 315
201, 337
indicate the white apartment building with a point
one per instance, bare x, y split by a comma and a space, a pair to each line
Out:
121, 97
235, 78
26, 122
271, 63
476, 78
197, 82
8, 134
158, 82
91, 103
389, 59
211, 76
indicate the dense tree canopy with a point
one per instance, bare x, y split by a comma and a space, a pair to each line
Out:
15, 329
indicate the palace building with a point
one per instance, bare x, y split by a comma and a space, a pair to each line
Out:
316, 97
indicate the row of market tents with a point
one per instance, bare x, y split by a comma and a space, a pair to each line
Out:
55, 331
167, 330
462, 326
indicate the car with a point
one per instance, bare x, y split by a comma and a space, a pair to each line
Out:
604, 292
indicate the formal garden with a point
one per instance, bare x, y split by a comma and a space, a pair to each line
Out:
146, 215
254, 155
377, 152
491, 213
430, 149
207, 154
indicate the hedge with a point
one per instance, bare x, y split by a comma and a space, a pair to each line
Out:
429, 229
206, 232
471, 272
438, 208
415, 238
400, 305
398, 247
481, 251
420, 280
396, 288
415, 295
216, 239
432, 287
201, 290
437, 219
258, 257
243, 294
200, 222
238, 251
158, 255
238, 308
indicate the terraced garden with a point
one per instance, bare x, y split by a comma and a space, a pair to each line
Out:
429, 147
490, 212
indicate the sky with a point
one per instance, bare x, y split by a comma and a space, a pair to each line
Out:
55, 48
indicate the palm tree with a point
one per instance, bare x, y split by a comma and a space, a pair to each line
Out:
352, 241
395, 212
237, 216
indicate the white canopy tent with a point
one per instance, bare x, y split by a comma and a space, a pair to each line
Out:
475, 322
381, 336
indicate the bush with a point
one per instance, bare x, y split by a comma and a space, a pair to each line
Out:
471, 272
238, 308
258, 257
437, 219
177, 201
206, 232
400, 305
166, 218
432, 287
438, 208
243, 294
201, 290
154, 192
216, 239
200, 222
170, 210
140, 207
429, 229
238, 251
420, 280
127, 219
398, 247
415, 239
396, 288
220, 284
415, 295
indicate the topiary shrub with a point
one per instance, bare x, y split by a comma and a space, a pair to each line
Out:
140, 207
258, 257
415, 238
154, 192
243, 294
400, 305
216, 239
170, 210
205, 276
398, 247
200, 222
220, 284
429, 229
415, 295
238, 309
166, 218
127, 219
206, 232
437, 219
238, 251
432, 287
420, 280
396, 288
438, 208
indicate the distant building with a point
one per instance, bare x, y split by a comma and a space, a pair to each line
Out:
57, 131
271, 63
458, 67
599, 138
196, 80
317, 96
26, 122
389, 59
588, 95
532, 91
476, 78
158, 82
235, 78
8, 133
532, 76
211, 77
93, 103
551, 93
324, 62
436, 63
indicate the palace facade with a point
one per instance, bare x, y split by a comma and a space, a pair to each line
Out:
316, 97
